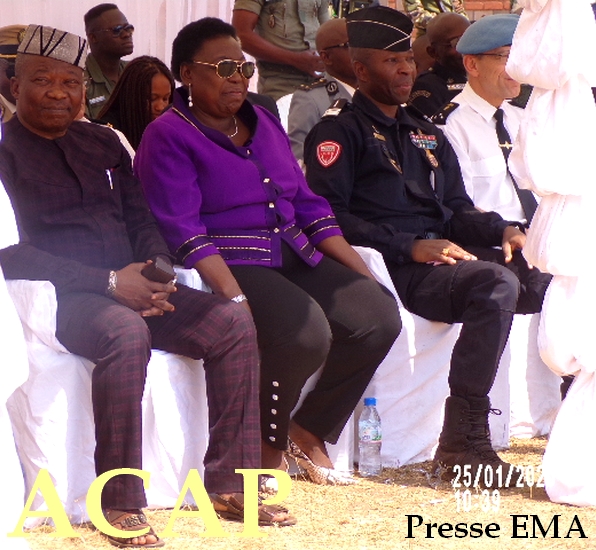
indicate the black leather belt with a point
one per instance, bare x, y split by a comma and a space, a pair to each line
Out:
280, 68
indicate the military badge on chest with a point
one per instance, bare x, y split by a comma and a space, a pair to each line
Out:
426, 142
328, 152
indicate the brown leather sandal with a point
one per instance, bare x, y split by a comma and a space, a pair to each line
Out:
235, 510
130, 521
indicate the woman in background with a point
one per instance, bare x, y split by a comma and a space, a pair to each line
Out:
143, 92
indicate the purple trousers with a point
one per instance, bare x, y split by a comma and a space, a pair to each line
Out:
119, 342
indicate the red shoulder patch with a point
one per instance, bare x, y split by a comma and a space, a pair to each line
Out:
328, 152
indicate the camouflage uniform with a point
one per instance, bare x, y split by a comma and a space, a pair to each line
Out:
422, 11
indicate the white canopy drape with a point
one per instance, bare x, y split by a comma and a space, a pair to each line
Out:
156, 21
553, 50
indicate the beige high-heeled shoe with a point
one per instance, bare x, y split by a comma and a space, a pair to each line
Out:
317, 474
269, 485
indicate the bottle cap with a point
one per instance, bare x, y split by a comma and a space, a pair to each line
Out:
370, 401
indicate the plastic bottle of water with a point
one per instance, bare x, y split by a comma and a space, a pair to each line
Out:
369, 436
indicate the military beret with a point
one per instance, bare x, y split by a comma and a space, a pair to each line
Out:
10, 38
379, 28
488, 33
54, 43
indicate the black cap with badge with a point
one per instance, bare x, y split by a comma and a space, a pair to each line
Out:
379, 28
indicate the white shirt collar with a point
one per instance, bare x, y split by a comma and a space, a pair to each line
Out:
478, 104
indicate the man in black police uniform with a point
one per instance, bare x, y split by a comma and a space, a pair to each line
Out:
447, 77
395, 185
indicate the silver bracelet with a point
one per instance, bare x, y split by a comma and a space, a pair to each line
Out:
240, 298
112, 282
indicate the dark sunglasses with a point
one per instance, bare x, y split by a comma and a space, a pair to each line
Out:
119, 29
227, 67
343, 45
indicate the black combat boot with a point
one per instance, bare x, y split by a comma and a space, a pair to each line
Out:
465, 454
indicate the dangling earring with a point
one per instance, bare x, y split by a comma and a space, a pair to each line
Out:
190, 103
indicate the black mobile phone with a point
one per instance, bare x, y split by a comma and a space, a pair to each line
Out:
159, 271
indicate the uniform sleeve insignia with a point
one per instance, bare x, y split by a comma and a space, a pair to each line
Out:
441, 116
332, 87
98, 99
328, 152
419, 93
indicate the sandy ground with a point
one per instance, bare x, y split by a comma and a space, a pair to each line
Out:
373, 515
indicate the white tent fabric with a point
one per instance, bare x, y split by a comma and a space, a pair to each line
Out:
553, 50
156, 22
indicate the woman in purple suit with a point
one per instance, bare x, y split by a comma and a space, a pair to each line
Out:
232, 202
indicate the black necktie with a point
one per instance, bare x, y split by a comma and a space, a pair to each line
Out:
525, 196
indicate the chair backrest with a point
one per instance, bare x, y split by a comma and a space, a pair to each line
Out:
283, 105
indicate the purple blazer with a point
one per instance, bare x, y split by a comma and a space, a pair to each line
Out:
211, 197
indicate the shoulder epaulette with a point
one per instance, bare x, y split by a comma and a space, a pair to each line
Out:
441, 116
521, 101
415, 112
316, 84
455, 86
336, 107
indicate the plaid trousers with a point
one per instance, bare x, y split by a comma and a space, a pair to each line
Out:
119, 342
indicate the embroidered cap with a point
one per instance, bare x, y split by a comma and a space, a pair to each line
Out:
379, 28
54, 43
10, 38
490, 32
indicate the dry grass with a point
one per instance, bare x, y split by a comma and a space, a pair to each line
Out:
372, 516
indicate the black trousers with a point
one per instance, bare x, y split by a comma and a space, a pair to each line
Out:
308, 316
483, 295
